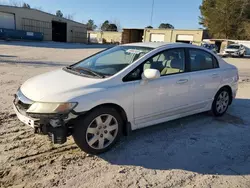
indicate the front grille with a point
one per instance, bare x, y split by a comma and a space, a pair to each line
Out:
230, 52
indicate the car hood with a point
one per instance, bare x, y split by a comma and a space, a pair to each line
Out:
59, 86
231, 50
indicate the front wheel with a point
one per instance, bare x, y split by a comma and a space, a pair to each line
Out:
98, 131
243, 55
221, 102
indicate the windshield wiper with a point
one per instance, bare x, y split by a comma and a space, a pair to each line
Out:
89, 71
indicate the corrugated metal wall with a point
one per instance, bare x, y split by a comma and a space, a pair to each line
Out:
38, 21
37, 26
79, 34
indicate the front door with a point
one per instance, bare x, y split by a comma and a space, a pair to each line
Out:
159, 98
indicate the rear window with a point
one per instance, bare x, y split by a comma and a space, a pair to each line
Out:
201, 60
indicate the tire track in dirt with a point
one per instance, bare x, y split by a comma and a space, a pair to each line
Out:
50, 152
25, 155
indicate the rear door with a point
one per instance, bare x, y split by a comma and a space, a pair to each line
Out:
205, 77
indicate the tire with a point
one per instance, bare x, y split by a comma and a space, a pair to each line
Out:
98, 131
221, 102
243, 55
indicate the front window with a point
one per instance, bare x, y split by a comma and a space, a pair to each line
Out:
166, 62
233, 47
111, 61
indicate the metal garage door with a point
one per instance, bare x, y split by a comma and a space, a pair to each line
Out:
7, 20
185, 37
93, 38
157, 37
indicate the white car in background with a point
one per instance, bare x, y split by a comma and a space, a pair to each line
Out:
234, 50
125, 88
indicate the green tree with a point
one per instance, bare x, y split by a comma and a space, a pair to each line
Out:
226, 18
112, 27
59, 14
166, 26
91, 25
105, 25
149, 27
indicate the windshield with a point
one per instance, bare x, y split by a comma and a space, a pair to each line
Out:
233, 47
209, 46
110, 61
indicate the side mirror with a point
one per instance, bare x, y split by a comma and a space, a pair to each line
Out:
151, 74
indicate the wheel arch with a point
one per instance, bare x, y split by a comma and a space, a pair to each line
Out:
121, 111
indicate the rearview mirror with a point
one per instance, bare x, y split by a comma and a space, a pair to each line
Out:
150, 74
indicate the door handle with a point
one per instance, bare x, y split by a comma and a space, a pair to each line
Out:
182, 81
215, 75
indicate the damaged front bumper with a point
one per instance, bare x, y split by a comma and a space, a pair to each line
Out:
57, 126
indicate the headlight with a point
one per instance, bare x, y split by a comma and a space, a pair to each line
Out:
51, 108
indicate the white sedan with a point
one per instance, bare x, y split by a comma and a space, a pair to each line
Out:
125, 88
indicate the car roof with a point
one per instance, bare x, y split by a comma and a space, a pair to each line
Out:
157, 44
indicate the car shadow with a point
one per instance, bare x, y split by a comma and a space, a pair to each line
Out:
7, 56
200, 143
246, 57
59, 45
35, 63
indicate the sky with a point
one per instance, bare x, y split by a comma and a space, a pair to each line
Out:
182, 14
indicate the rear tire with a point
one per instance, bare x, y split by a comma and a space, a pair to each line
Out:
221, 102
98, 131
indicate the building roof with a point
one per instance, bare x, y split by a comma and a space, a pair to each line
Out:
27, 9
176, 29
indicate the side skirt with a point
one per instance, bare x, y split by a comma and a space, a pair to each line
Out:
173, 117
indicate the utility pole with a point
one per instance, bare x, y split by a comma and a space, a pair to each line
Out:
152, 12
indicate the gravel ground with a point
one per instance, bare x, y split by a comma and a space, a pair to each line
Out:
196, 151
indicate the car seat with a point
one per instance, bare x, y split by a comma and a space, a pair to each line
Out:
173, 65
159, 65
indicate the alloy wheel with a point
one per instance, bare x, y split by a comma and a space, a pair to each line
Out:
222, 102
102, 131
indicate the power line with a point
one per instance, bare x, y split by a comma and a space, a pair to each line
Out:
152, 12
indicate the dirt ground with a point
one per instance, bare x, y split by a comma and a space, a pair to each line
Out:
196, 151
